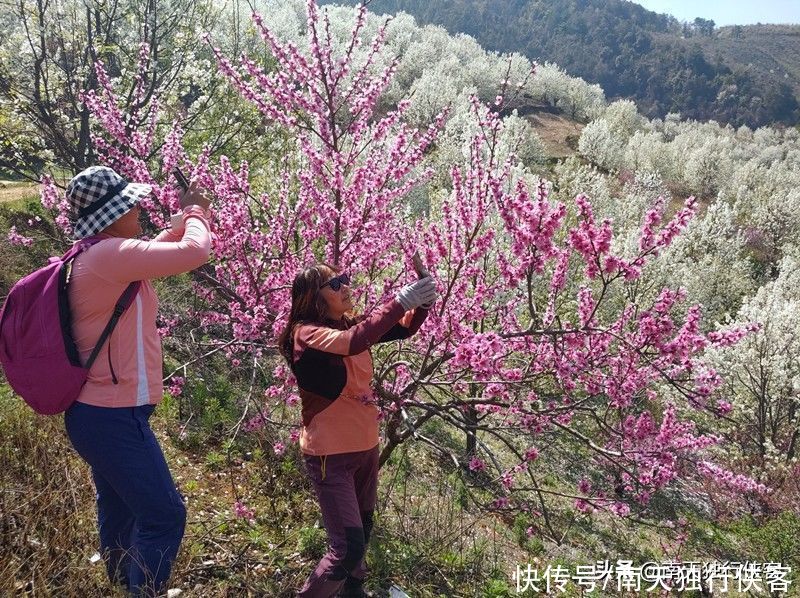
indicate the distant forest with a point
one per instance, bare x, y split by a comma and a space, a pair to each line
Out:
738, 75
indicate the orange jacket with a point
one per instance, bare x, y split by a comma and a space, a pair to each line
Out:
333, 367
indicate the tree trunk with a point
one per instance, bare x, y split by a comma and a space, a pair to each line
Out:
471, 418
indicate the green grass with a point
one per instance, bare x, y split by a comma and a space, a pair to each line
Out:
776, 540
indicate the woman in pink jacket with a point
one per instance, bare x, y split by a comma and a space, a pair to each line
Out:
141, 516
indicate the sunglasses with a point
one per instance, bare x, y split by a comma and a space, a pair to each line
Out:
336, 282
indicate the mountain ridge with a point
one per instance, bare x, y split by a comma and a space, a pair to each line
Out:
741, 75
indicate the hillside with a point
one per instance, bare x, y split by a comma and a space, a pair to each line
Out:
606, 385
737, 75
771, 50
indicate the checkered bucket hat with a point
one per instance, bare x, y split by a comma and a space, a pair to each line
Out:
98, 197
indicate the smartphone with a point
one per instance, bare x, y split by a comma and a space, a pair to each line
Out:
183, 182
421, 270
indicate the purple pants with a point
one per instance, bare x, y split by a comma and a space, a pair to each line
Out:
347, 489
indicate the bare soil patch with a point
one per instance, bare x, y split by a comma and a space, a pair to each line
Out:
558, 133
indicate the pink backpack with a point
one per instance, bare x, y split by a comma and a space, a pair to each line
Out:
38, 354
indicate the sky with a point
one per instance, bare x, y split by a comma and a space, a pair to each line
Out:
729, 12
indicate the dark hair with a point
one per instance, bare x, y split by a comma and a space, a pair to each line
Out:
308, 304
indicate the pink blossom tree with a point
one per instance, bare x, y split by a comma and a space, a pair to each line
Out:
540, 338
539, 347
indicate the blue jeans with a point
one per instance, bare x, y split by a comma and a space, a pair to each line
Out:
140, 514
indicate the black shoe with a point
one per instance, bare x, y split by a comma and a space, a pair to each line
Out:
354, 588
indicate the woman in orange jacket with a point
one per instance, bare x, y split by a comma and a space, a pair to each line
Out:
328, 352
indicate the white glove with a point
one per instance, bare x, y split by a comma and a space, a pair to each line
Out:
416, 294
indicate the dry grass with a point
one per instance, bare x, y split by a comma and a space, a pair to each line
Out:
14, 191
558, 133
48, 530
424, 540
46, 500
429, 538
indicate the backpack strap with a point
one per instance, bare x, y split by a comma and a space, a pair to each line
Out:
122, 304
77, 248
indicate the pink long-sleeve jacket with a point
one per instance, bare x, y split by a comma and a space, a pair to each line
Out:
128, 370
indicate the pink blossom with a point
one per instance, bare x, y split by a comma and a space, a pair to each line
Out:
738, 482
502, 502
531, 454
255, 423
176, 385
620, 509
535, 330
242, 511
17, 239
167, 327
476, 464
49, 194
724, 407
